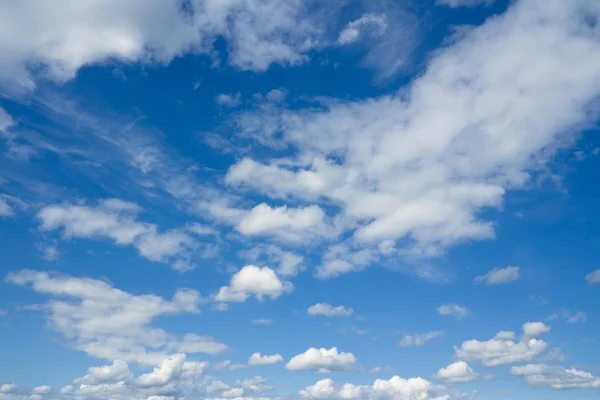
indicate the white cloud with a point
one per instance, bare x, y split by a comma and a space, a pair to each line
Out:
257, 34
502, 349
340, 259
290, 264
169, 369
43, 389
419, 339
5, 209
458, 372
373, 23
464, 3
118, 371
422, 166
229, 100
111, 324
328, 310
570, 317
8, 388
253, 280
454, 310
258, 359
116, 219
395, 388
499, 276
555, 377
262, 321
593, 277
534, 329
322, 360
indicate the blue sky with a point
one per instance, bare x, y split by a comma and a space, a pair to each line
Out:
256, 199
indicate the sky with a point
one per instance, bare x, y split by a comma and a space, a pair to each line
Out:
277, 200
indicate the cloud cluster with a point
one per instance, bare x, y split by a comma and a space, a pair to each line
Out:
111, 324
555, 377
321, 360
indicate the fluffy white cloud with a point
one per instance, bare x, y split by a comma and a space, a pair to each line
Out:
8, 388
395, 388
420, 167
373, 23
43, 389
328, 310
593, 277
118, 371
322, 360
258, 359
111, 324
502, 349
62, 41
556, 377
499, 276
419, 339
454, 310
458, 372
169, 369
253, 281
229, 100
116, 219
464, 3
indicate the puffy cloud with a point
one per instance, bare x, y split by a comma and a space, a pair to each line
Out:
454, 310
118, 371
258, 359
8, 388
421, 167
257, 34
534, 329
419, 339
593, 278
458, 372
116, 219
557, 378
111, 324
499, 276
43, 389
373, 23
328, 310
169, 369
322, 360
256, 281
395, 388
502, 349
229, 100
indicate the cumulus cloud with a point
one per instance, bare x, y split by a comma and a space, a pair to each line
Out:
328, 310
257, 34
321, 360
499, 276
555, 377
421, 167
453, 309
593, 278
117, 220
503, 349
395, 388
258, 359
458, 372
253, 281
421, 339
118, 371
229, 100
8, 388
43, 389
111, 324
375, 24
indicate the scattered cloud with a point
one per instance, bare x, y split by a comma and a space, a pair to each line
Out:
554, 377
229, 100
570, 317
322, 360
499, 276
262, 321
593, 278
458, 372
327, 310
258, 359
253, 281
420, 339
375, 24
394, 388
464, 3
453, 309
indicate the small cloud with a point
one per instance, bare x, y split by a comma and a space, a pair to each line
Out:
453, 309
499, 276
593, 278
229, 100
419, 339
262, 321
48, 252
375, 24
327, 310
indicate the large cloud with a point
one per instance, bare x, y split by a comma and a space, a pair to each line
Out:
420, 167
